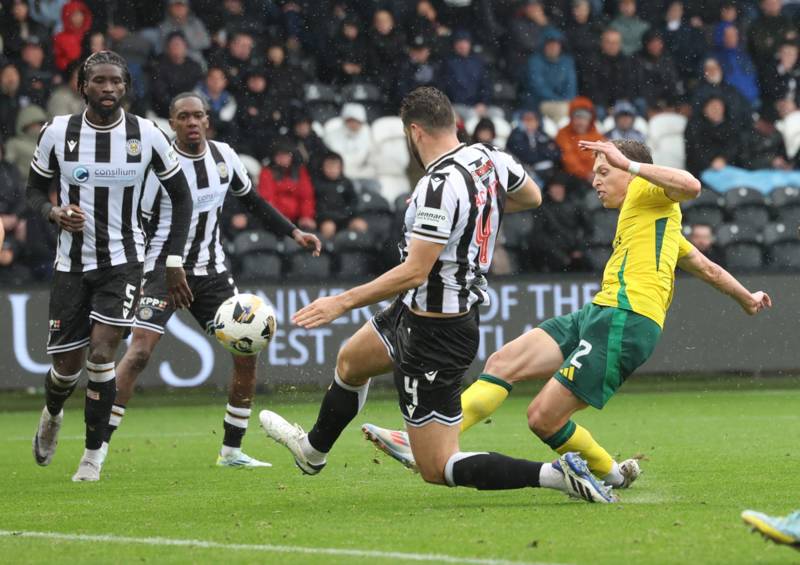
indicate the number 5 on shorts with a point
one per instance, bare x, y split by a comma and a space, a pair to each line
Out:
584, 348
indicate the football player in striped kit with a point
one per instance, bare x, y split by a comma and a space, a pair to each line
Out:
213, 170
429, 336
100, 158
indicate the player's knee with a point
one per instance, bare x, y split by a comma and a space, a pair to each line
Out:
431, 473
346, 369
100, 353
499, 365
139, 357
540, 421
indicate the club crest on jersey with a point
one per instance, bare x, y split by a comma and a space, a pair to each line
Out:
222, 169
133, 147
80, 173
145, 313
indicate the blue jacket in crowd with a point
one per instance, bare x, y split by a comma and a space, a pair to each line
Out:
550, 80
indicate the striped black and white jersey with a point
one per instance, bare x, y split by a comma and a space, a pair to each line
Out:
210, 177
102, 169
459, 203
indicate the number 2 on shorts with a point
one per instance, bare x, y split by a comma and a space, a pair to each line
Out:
584, 348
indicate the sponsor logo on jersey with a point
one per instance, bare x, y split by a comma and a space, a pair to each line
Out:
432, 217
153, 302
133, 147
117, 173
80, 173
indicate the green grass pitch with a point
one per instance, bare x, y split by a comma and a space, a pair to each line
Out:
713, 448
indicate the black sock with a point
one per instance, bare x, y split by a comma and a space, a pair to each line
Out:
491, 471
56, 391
341, 404
233, 435
99, 400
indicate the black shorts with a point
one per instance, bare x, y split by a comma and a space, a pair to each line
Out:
77, 300
209, 291
430, 358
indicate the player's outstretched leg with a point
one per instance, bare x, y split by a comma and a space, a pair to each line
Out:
780, 529
363, 356
237, 414
59, 383
100, 393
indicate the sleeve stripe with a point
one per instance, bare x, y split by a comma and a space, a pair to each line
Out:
170, 173
431, 235
518, 184
242, 191
429, 238
42, 171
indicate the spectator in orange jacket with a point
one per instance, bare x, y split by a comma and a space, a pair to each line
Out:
77, 20
287, 186
580, 127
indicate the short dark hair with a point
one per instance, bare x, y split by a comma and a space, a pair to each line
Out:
429, 108
102, 58
183, 96
634, 150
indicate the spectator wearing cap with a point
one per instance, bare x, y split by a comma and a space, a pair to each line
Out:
712, 139
583, 38
526, 34
174, 73
426, 23
221, 102
659, 82
581, 127
286, 185
686, 43
386, 49
712, 84
533, 147
737, 66
259, 116
551, 78
624, 116
768, 31
20, 148
418, 69
352, 140
179, 17
66, 98
308, 146
15, 30
76, 20
465, 78
10, 99
349, 53
630, 26
612, 75
781, 79
336, 198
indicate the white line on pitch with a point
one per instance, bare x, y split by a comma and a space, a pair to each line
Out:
133, 436
267, 548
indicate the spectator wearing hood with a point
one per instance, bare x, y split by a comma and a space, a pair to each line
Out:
738, 67
686, 43
533, 147
76, 21
286, 185
630, 26
336, 198
285, 80
659, 82
551, 78
259, 116
527, 34
581, 126
624, 117
20, 148
465, 78
712, 138
174, 73
179, 17
713, 84
387, 46
352, 140
15, 30
349, 53
47, 13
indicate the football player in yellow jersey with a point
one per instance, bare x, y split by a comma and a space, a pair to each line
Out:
590, 353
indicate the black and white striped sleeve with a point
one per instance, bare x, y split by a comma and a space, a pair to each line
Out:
509, 171
44, 161
150, 191
437, 208
240, 182
164, 160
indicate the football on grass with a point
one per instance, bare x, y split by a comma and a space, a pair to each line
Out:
244, 324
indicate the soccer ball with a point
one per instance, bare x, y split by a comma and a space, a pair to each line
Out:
244, 324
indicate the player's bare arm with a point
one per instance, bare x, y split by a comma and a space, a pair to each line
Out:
410, 274
678, 185
528, 197
706, 270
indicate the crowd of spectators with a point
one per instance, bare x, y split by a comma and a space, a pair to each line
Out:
298, 85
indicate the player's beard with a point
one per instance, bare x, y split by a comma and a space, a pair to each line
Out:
105, 112
414, 151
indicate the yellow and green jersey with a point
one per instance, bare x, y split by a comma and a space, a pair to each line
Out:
640, 275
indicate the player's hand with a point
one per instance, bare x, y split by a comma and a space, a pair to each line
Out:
69, 218
321, 311
613, 155
307, 241
758, 301
179, 292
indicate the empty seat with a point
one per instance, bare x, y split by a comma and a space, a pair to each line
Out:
258, 254
390, 147
665, 138
354, 252
785, 255
361, 92
707, 208
369, 201
252, 165
302, 265
786, 204
322, 112
254, 241
393, 186
316, 92
777, 233
741, 247
747, 206
727, 234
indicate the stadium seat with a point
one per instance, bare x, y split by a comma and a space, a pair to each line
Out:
786, 204
255, 241
705, 209
302, 265
784, 256
597, 256
367, 185
369, 201
790, 128
393, 186
549, 126
504, 95
258, 254
665, 138
361, 92
728, 234
747, 206
604, 227
390, 147
778, 232
639, 123
354, 254
376, 211
322, 112
741, 247
321, 101
252, 165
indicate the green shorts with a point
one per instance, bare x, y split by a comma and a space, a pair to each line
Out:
602, 346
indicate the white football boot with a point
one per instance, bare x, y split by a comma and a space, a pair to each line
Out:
289, 436
240, 460
46, 439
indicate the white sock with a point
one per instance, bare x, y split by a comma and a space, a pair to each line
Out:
614, 478
550, 477
117, 413
314, 456
94, 455
227, 450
